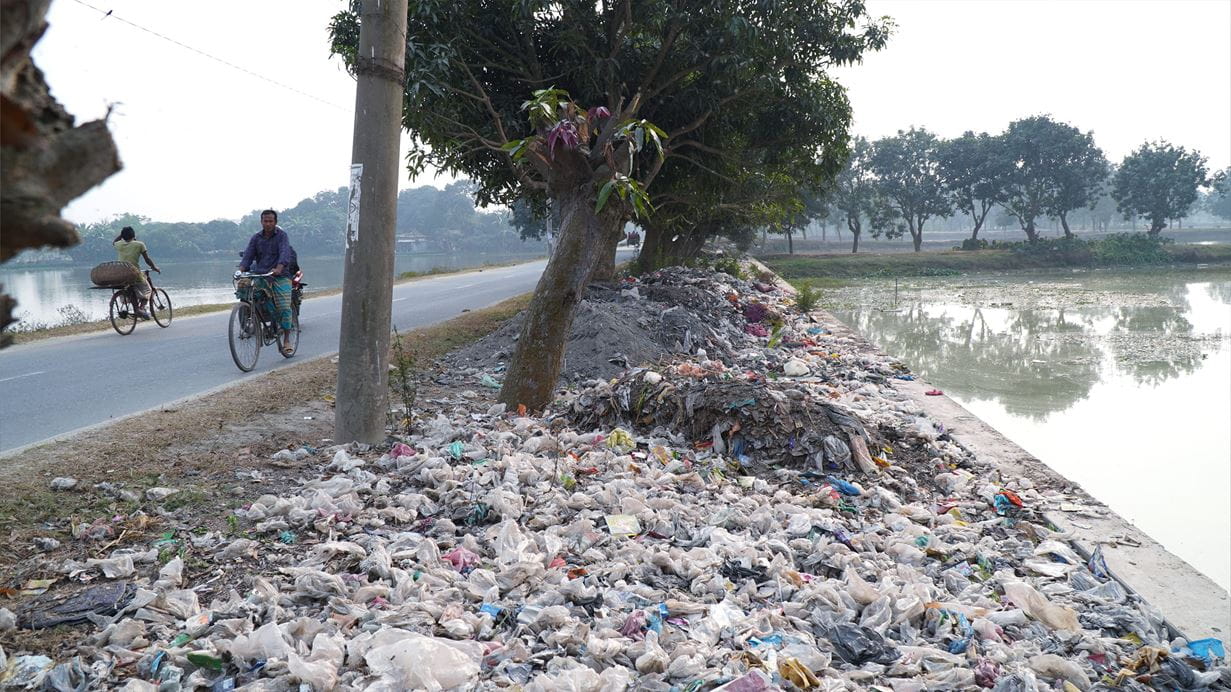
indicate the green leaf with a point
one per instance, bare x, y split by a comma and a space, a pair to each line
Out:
603, 194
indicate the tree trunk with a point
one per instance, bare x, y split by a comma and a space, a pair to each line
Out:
534, 368
660, 250
45, 161
855, 244
1064, 222
605, 271
1156, 226
916, 233
1031, 234
790, 245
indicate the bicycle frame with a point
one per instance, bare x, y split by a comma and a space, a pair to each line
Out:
259, 297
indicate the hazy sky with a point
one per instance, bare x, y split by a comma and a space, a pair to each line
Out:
203, 140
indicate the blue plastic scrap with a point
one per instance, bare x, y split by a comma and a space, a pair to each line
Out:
842, 486
1098, 565
1207, 649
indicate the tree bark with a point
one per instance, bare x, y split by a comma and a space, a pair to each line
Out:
605, 271
790, 245
855, 243
1064, 222
1156, 226
1031, 234
534, 368
45, 162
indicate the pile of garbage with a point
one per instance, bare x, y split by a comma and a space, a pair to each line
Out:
757, 510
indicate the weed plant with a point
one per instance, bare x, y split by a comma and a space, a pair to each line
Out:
403, 382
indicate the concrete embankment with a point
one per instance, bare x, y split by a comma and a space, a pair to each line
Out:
1191, 602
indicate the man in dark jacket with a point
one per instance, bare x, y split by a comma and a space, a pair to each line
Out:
269, 252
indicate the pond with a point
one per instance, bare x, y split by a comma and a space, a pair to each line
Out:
47, 294
1119, 380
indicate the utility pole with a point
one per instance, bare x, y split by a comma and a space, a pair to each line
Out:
367, 284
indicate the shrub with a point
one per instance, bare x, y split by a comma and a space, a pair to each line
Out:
808, 297
729, 265
1131, 248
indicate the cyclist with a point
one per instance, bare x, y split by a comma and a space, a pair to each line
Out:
269, 252
131, 250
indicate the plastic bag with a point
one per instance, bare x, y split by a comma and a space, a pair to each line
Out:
320, 669
837, 453
1038, 607
419, 662
858, 645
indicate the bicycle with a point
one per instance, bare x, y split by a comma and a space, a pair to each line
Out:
123, 308
254, 319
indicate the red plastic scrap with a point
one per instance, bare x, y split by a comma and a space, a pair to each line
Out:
1012, 497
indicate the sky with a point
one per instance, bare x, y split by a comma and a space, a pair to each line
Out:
237, 105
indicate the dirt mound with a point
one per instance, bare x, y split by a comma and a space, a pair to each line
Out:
636, 323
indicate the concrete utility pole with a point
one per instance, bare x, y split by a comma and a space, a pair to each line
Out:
367, 284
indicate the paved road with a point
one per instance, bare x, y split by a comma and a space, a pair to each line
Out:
58, 386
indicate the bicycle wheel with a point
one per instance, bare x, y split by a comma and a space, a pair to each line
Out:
294, 335
244, 336
123, 316
160, 307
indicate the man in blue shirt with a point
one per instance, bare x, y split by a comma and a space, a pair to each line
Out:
269, 252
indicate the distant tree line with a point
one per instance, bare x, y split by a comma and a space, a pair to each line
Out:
429, 220
1037, 169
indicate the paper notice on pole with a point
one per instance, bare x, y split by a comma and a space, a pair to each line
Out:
352, 205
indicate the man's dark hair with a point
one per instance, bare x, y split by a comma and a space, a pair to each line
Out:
127, 233
270, 211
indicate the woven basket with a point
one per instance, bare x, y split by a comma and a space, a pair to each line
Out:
114, 274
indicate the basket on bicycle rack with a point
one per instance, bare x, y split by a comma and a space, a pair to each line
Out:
114, 274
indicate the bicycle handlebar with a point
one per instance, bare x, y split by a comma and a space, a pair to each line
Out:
250, 275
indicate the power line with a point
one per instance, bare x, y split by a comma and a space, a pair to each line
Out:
111, 14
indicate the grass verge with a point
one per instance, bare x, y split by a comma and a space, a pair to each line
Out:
835, 268
195, 446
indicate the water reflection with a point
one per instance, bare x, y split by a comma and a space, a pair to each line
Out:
1117, 380
1036, 362
1033, 361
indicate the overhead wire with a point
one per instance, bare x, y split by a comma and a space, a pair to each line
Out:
111, 14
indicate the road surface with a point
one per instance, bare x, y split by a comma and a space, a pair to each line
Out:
58, 386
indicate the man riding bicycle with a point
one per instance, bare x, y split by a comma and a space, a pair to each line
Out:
129, 249
269, 252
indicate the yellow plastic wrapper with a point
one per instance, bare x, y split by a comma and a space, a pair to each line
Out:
798, 673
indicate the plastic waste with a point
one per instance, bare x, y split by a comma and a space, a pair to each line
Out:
859, 645
419, 662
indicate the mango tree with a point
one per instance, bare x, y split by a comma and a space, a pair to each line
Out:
1158, 182
619, 93
907, 171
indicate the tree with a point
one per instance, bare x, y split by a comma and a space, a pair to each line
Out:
1218, 200
974, 171
640, 87
1055, 169
1158, 181
855, 194
907, 170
